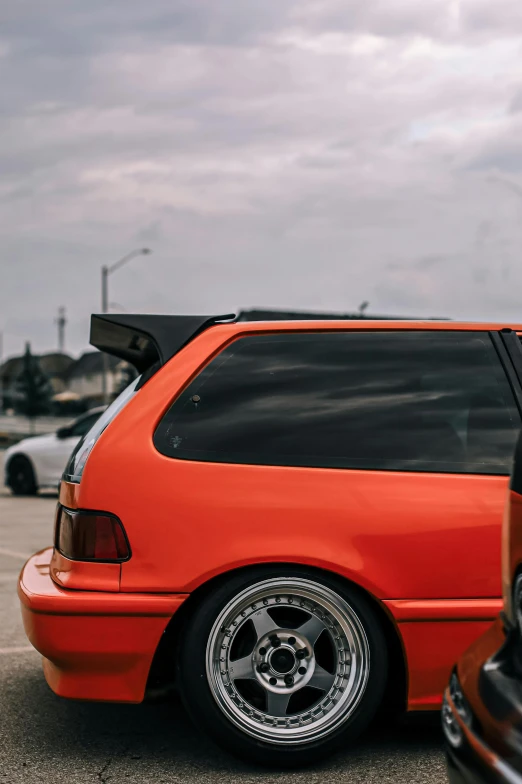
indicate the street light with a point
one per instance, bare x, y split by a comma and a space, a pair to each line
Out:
105, 272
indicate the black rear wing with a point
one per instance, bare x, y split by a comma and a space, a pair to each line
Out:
146, 341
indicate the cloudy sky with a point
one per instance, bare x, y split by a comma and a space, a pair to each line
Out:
285, 153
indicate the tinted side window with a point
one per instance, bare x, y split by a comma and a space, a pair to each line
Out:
415, 401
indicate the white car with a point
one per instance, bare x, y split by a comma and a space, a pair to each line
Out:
39, 461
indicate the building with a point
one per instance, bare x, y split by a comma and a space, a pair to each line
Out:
76, 384
54, 365
84, 378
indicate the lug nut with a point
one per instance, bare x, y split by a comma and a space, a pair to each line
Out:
302, 670
264, 667
262, 651
273, 681
289, 680
276, 642
291, 640
302, 654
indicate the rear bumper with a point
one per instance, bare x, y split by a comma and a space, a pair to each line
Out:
96, 645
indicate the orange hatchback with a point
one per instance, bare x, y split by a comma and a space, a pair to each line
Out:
297, 523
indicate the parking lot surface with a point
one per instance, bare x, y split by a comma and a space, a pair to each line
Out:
45, 738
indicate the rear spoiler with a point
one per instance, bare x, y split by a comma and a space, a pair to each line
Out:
146, 341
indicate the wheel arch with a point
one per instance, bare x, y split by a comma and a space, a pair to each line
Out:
395, 698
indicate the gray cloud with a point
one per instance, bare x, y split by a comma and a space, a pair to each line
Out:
298, 153
491, 19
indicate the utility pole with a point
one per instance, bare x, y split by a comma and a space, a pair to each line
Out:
105, 272
61, 321
105, 309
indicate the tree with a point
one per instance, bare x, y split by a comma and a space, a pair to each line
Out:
33, 387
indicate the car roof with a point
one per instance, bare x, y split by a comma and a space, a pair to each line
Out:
150, 341
380, 324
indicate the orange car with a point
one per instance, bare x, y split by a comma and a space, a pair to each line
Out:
296, 522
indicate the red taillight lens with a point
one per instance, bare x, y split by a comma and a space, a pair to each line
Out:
90, 536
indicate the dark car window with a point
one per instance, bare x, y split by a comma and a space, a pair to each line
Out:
416, 401
82, 426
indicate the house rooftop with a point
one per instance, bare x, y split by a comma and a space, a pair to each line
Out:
52, 364
90, 363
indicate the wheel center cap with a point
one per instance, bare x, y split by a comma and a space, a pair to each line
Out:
282, 660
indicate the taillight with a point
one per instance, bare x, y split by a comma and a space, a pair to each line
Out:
90, 536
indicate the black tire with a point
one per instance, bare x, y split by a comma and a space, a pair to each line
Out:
198, 690
21, 477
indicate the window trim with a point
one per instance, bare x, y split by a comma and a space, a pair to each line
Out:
509, 347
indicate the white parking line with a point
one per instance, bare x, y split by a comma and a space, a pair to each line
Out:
20, 649
14, 554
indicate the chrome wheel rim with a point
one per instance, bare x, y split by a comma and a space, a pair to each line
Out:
288, 661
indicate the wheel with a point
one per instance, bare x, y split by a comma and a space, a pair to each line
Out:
21, 476
281, 666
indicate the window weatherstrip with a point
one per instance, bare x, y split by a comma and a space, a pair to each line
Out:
510, 356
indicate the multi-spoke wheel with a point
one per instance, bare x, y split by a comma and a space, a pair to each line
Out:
281, 668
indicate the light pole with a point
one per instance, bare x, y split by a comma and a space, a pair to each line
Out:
105, 272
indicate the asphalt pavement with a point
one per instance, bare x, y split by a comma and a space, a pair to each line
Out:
44, 738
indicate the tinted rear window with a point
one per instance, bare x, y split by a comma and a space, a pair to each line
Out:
417, 401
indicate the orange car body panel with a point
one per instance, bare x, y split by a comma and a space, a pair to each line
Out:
426, 546
512, 542
96, 645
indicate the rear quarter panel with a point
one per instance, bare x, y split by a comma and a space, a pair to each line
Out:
398, 535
